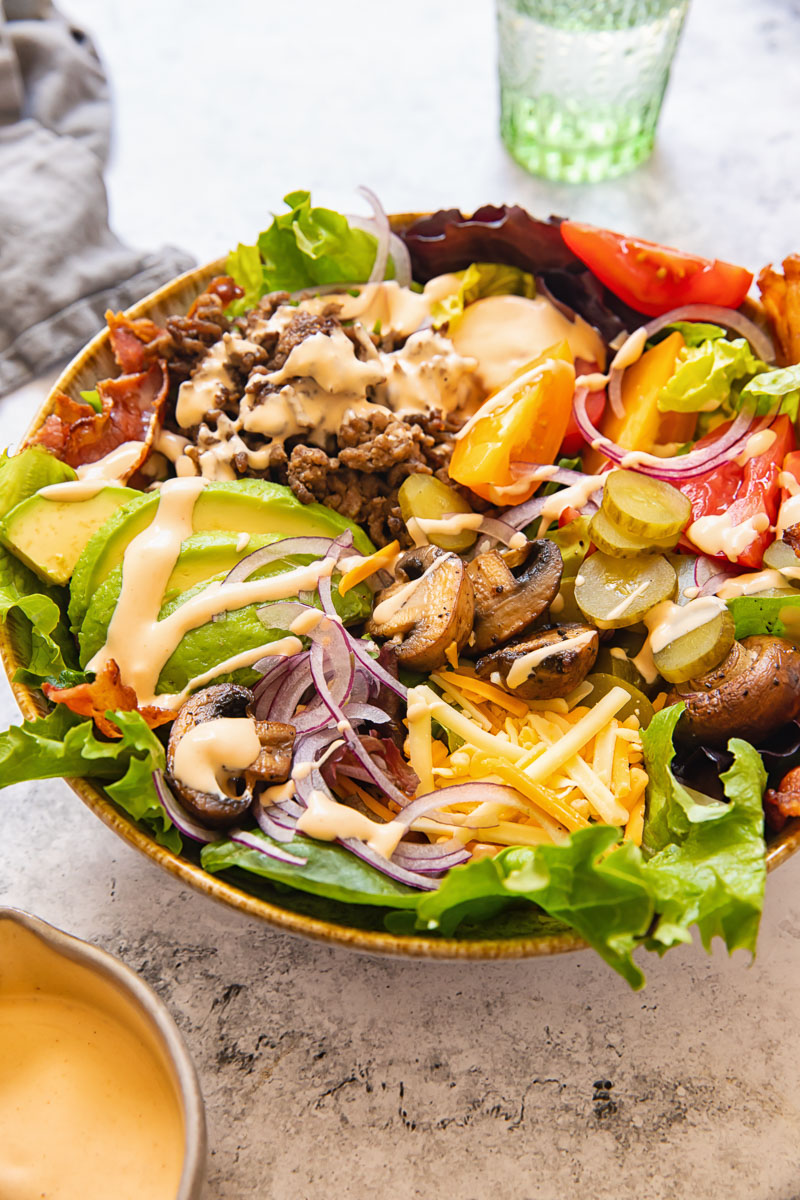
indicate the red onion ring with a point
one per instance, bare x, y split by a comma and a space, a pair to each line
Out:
178, 814
677, 467
316, 547
242, 838
383, 228
458, 793
729, 318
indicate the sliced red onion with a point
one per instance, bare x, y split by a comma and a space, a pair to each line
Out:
387, 867
355, 711
729, 318
522, 514
428, 864
378, 272
401, 259
458, 793
677, 467
280, 699
179, 816
252, 842
280, 829
315, 547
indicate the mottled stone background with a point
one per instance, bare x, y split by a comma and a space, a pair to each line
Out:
333, 1075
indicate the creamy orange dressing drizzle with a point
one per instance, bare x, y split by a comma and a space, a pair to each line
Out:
136, 639
88, 1109
505, 332
522, 667
211, 752
327, 820
720, 534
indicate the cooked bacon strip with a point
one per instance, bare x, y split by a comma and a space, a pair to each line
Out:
132, 407
107, 693
780, 295
131, 340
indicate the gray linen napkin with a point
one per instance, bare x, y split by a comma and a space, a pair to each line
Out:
61, 266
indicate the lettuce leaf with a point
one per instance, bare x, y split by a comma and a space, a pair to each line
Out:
593, 882
304, 247
778, 616
65, 744
704, 859
330, 871
480, 280
702, 862
765, 390
31, 609
692, 332
709, 376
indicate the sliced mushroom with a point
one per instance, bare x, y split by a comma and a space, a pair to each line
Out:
273, 764
429, 610
752, 692
544, 665
506, 604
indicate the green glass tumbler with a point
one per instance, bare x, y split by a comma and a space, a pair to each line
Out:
581, 83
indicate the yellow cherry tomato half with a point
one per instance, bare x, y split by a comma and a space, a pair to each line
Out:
525, 421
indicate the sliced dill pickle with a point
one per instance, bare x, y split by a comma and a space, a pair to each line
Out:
645, 507
698, 651
684, 565
573, 541
609, 538
564, 609
613, 593
638, 705
781, 557
426, 497
617, 659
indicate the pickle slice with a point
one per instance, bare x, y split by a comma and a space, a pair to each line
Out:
638, 705
645, 507
426, 497
698, 651
781, 557
609, 538
573, 541
613, 593
564, 609
617, 659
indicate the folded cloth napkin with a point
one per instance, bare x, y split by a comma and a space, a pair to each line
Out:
61, 266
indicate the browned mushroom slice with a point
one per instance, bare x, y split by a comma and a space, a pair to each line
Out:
272, 764
752, 692
544, 665
507, 603
428, 611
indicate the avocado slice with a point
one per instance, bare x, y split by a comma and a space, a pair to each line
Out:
242, 506
200, 648
50, 535
215, 552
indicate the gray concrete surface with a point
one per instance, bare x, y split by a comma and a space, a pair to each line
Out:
329, 1074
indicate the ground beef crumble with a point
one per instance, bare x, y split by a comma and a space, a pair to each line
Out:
360, 469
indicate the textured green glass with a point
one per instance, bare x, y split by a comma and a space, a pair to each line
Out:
581, 83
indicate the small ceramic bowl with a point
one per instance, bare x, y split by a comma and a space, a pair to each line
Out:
41, 956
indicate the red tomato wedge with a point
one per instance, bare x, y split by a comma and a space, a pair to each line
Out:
743, 491
654, 279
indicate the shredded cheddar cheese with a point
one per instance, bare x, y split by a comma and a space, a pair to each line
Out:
368, 566
570, 766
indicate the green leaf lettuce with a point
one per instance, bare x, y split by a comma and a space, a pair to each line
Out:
304, 247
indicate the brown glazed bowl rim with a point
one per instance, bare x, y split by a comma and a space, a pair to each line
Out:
176, 296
